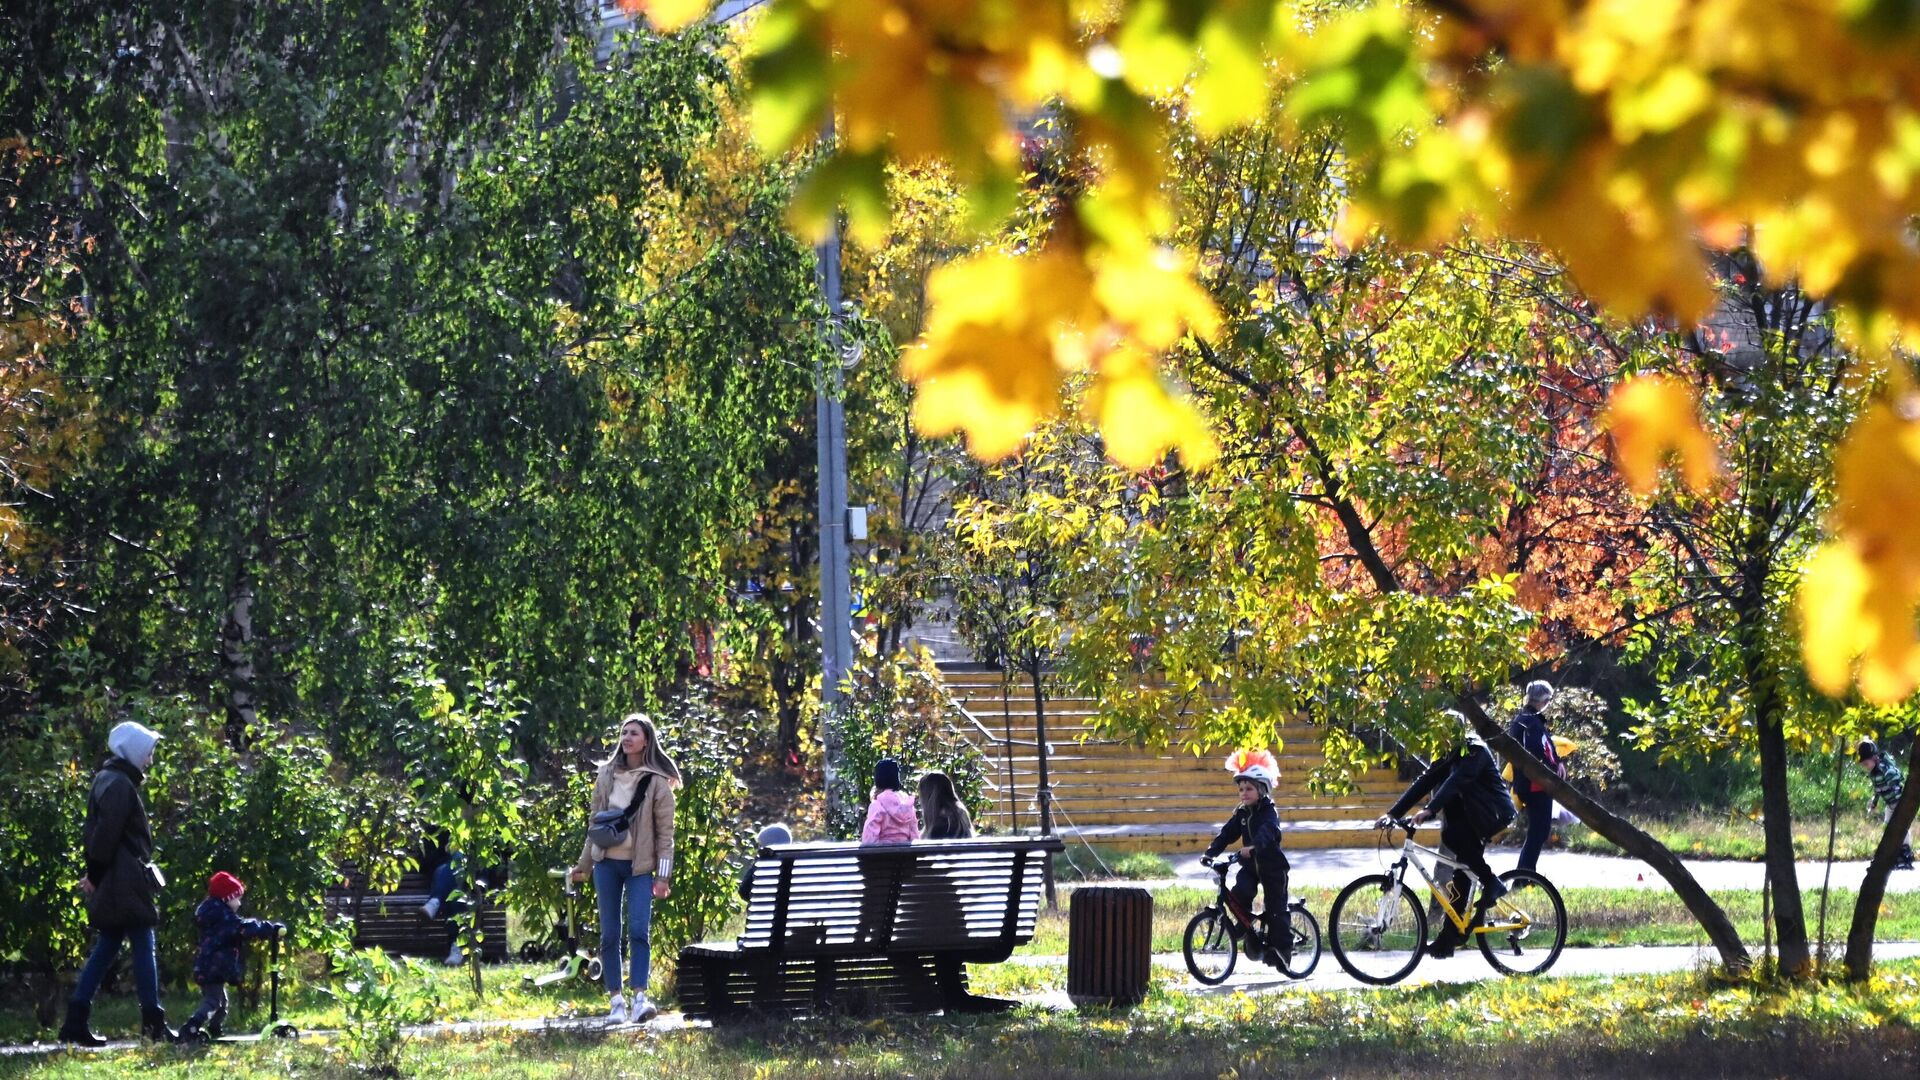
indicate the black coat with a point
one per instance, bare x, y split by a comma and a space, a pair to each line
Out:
1465, 782
223, 941
1529, 729
118, 845
1258, 827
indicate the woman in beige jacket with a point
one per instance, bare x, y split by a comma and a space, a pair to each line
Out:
637, 868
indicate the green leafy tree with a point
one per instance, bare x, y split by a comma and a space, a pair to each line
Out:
1778, 392
1354, 554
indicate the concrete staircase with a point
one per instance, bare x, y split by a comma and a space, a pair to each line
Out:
1127, 798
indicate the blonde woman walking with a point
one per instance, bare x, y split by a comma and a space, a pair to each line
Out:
639, 779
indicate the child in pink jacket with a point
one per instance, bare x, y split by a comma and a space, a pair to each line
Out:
891, 818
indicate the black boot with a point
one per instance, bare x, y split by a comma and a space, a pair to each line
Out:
153, 1025
76, 1030
1905, 861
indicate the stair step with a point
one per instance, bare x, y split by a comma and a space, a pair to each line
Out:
1098, 785
1188, 840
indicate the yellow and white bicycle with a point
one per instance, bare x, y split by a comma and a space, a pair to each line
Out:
1379, 928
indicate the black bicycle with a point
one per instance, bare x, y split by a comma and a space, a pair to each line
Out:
1216, 934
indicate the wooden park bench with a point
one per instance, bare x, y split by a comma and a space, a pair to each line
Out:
394, 922
853, 928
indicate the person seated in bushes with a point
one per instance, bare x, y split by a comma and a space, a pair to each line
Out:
771, 836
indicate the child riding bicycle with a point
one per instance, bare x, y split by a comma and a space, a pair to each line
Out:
1256, 824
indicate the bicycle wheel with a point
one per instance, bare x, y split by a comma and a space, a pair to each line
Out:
1378, 930
1209, 946
1525, 929
1306, 942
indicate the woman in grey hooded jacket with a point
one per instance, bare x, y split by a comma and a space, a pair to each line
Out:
122, 885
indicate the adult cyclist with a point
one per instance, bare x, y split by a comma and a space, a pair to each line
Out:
1472, 799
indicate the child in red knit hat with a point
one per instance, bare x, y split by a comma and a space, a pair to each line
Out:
223, 941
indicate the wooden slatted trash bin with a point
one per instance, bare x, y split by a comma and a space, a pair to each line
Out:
1109, 945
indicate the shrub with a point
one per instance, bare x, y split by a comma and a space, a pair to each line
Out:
42, 920
711, 835
553, 825
462, 771
274, 815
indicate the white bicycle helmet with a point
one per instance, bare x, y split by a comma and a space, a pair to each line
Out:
1255, 765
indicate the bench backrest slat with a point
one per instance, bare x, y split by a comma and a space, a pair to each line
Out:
848, 898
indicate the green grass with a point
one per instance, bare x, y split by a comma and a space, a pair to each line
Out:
1700, 834
1624, 1027
1077, 864
1595, 917
303, 1002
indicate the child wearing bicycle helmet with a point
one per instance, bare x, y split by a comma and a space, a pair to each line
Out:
1256, 824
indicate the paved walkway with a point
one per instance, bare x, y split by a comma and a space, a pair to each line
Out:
1467, 966
1334, 867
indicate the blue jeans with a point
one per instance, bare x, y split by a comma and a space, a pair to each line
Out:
106, 949
1537, 808
611, 877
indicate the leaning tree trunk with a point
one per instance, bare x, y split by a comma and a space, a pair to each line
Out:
1873, 889
1712, 918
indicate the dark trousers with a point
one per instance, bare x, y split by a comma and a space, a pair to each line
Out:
445, 878
106, 949
1268, 875
1467, 845
211, 1016
1537, 808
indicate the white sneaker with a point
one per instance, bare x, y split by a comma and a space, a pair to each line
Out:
641, 1010
455, 957
431, 909
617, 1010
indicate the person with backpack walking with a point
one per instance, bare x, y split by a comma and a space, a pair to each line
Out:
1529, 729
637, 780
122, 886
1467, 789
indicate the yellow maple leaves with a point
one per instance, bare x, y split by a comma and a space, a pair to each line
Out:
1006, 331
978, 85
1650, 417
1860, 590
668, 15
1624, 135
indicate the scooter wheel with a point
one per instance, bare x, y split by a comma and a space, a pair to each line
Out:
285, 1031
590, 971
